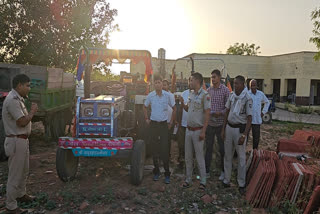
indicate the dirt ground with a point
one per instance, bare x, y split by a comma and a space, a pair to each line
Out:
102, 184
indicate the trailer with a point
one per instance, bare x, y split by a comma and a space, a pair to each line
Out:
52, 89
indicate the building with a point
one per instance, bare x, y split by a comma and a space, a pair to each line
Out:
293, 77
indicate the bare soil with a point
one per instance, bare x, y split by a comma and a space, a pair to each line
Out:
102, 184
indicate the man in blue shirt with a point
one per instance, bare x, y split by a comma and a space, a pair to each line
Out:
159, 101
258, 98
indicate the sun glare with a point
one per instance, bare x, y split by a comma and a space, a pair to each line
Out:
151, 29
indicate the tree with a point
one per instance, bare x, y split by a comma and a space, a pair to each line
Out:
101, 72
243, 49
97, 75
51, 32
315, 17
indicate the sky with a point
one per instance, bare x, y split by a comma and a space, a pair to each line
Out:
183, 27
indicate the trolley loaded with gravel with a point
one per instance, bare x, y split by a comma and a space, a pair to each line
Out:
106, 125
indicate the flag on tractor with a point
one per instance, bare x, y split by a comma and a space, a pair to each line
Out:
228, 84
80, 69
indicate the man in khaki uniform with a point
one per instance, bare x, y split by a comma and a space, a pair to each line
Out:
235, 129
17, 124
198, 109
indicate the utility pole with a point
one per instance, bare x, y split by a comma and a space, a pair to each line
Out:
162, 59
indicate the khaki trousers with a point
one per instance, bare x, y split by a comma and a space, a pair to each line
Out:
193, 143
232, 136
17, 150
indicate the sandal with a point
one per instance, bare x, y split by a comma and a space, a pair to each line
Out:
202, 187
186, 185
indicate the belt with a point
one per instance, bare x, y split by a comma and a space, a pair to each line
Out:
234, 125
23, 136
194, 128
156, 122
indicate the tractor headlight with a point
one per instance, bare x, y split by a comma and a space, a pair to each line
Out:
104, 112
88, 112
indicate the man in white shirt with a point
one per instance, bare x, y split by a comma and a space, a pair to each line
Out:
159, 101
171, 113
258, 98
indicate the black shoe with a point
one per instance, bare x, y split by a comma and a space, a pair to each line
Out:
242, 190
26, 199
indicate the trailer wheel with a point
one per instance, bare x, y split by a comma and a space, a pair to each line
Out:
2, 138
267, 118
137, 162
66, 164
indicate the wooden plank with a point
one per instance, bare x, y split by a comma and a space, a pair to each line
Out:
54, 78
68, 80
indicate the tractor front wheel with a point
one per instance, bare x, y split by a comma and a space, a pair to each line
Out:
137, 162
66, 164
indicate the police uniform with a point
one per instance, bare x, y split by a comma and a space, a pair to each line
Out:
240, 108
159, 128
16, 147
197, 104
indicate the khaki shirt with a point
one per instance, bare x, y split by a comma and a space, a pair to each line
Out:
197, 104
245, 109
13, 109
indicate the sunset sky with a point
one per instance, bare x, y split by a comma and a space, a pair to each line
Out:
211, 26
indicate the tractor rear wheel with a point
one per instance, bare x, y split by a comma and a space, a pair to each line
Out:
66, 164
137, 162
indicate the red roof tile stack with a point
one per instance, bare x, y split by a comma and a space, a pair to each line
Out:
271, 180
314, 202
261, 175
293, 146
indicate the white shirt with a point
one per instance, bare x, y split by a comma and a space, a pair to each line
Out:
258, 99
170, 110
159, 105
185, 96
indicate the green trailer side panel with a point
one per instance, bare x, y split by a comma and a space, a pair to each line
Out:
52, 100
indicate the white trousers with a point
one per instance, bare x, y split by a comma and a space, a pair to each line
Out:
232, 136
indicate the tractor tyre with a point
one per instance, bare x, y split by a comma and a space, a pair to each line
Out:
3, 156
267, 118
66, 164
137, 162
58, 126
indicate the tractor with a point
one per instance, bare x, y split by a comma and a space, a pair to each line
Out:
108, 119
